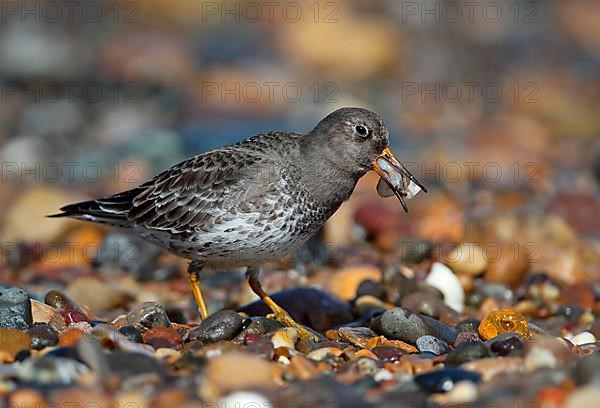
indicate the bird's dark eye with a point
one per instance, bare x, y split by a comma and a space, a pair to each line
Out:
361, 130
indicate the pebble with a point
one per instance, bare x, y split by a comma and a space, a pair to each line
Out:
538, 357
15, 308
433, 345
159, 337
149, 315
285, 337
428, 303
358, 336
584, 397
237, 372
467, 258
59, 301
367, 304
51, 371
42, 336
443, 279
132, 333
507, 343
587, 370
221, 325
445, 379
244, 399
503, 321
26, 221
388, 353
127, 364
492, 367
41, 313
309, 306
467, 352
345, 283
12, 341
94, 293
400, 324
466, 337
509, 266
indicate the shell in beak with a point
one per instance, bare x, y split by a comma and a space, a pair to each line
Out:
395, 178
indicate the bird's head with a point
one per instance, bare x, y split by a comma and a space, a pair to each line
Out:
355, 140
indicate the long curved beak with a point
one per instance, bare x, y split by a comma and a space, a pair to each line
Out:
398, 180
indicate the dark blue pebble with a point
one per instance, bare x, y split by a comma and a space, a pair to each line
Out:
445, 379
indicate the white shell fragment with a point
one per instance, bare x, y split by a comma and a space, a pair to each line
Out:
442, 278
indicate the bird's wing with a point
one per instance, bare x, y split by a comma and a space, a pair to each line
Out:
200, 192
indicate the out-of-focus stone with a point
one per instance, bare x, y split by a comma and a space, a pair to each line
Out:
237, 372
159, 337
12, 341
509, 265
345, 282
94, 293
467, 258
30, 209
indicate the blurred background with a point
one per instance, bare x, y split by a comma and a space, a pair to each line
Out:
492, 104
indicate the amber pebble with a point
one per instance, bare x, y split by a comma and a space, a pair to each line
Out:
503, 321
70, 337
398, 344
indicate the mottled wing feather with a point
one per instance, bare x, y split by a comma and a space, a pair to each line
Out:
195, 193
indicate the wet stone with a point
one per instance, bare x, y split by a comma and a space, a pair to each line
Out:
256, 327
149, 315
132, 333
467, 352
388, 353
507, 343
400, 324
15, 308
308, 306
159, 337
444, 380
42, 336
59, 301
432, 345
222, 325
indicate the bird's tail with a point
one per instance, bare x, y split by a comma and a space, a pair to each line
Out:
109, 210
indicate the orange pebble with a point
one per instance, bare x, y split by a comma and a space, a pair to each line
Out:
503, 321
70, 337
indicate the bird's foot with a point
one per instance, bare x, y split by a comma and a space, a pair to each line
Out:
284, 317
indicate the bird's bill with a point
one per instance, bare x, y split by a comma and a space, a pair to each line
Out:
395, 178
